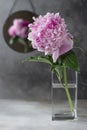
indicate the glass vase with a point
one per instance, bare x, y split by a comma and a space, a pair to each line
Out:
64, 97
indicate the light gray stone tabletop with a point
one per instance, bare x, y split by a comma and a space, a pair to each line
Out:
36, 115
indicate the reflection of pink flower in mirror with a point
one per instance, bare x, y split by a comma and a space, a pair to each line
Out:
50, 35
12, 31
18, 23
25, 23
19, 28
23, 33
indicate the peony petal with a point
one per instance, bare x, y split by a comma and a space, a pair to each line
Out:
67, 46
47, 50
55, 55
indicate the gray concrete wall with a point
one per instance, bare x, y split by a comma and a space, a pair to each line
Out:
32, 80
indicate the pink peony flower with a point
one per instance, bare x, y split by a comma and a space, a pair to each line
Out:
19, 28
50, 35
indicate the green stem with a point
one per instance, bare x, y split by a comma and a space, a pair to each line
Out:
57, 74
67, 90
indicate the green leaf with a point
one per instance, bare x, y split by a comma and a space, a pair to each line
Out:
38, 59
71, 61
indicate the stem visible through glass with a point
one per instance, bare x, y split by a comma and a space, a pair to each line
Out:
67, 90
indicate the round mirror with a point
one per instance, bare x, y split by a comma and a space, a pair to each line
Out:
25, 15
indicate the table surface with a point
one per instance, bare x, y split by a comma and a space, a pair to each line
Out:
30, 115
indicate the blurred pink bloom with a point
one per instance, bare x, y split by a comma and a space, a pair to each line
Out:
23, 33
49, 35
12, 31
19, 28
18, 23
25, 23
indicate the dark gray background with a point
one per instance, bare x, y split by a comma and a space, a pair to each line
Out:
33, 80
